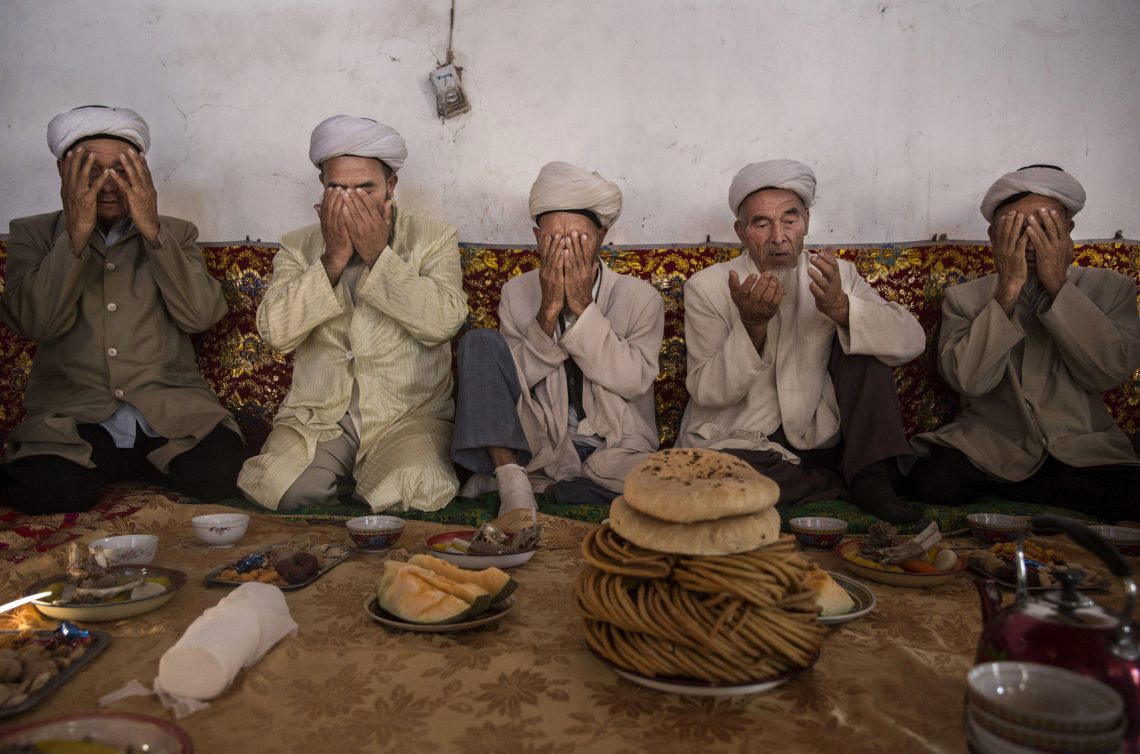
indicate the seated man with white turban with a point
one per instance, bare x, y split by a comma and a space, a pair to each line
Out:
369, 299
560, 399
110, 290
1030, 348
789, 355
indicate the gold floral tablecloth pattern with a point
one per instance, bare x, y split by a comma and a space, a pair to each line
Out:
892, 681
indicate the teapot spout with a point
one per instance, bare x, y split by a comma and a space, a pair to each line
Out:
990, 597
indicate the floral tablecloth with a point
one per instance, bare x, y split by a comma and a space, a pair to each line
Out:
892, 681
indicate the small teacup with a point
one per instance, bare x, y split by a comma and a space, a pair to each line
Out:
375, 533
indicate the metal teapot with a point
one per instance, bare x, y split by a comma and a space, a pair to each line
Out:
1062, 627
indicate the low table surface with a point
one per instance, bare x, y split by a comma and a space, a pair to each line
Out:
891, 681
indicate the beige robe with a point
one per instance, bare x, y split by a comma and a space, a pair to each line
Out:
111, 326
1031, 384
738, 397
394, 342
616, 343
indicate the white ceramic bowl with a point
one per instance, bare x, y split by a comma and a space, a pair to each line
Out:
1047, 740
126, 549
220, 529
1044, 697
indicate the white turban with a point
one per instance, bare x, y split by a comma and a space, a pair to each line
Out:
95, 120
781, 174
1043, 181
566, 187
359, 137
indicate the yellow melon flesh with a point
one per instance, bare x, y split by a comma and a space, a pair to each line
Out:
492, 580
406, 595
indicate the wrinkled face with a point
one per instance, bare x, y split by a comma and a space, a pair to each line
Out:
772, 224
1031, 205
110, 203
352, 172
562, 223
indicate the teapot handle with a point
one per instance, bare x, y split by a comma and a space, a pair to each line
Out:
1089, 540
1125, 645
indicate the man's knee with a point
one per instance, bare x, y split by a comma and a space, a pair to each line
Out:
937, 480
210, 469
39, 485
315, 486
481, 343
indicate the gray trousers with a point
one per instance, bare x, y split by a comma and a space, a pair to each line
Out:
330, 471
871, 429
485, 413
486, 417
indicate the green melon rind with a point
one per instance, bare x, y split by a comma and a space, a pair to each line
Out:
407, 596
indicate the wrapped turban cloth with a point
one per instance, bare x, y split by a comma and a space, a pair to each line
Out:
359, 137
1043, 181
563, 187
781, 174
95, 120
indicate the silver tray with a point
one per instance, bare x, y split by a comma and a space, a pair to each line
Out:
100, 640
213, 578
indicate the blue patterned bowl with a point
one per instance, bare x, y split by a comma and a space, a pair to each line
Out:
817, 531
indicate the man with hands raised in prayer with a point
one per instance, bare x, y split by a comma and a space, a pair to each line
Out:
369, 299
789, 355
560, 398
1031, 348
110, 290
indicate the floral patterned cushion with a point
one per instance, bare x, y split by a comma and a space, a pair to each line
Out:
251, 380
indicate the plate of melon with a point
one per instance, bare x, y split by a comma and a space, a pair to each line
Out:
427, 594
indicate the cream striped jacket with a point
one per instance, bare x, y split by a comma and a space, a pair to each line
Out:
394, 342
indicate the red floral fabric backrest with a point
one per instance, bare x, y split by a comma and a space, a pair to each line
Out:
251, 380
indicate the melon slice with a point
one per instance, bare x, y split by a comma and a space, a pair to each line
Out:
406, 595
473, 594
494, 581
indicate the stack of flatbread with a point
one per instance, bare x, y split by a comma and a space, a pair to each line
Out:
692, 579
692, 501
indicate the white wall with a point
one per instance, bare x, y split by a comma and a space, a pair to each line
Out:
907, 109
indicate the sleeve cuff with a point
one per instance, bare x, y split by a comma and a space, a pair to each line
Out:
545, 346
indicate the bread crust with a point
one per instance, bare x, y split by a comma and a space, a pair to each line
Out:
831, 598
685, 485
723, 536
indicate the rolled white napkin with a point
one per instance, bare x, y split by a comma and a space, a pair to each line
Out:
234, 634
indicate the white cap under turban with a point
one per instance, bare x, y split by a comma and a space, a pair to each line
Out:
1037, 179
95, 120
561, 186
359, 137
781, 174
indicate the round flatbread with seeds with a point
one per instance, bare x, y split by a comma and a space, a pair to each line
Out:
724, 536
696, 484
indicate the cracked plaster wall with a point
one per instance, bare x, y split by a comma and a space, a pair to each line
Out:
906, 109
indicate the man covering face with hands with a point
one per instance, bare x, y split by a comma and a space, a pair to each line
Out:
789, 355
369, 299
110, 290
1030, 348
560, 398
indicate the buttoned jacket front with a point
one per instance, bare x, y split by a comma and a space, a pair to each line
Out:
1031, 383
112, 325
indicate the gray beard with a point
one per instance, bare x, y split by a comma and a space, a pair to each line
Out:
790, 281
